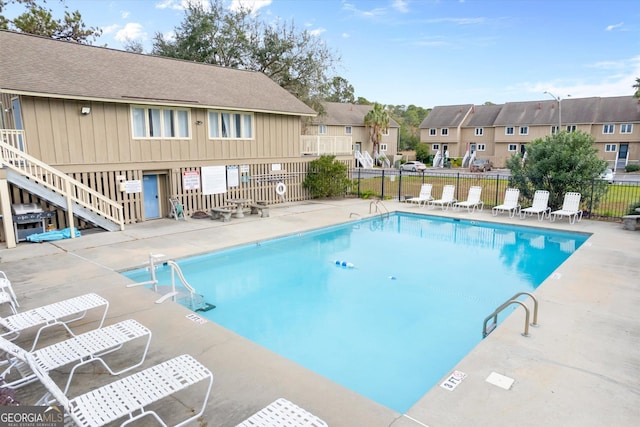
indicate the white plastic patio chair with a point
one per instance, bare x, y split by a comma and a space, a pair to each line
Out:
447, 198
570, 208
83, 349
539, 206
510, 203
282, 413
473, 200
6, 288
423, 197
59, 313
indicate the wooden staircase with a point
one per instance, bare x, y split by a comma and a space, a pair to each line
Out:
57, 188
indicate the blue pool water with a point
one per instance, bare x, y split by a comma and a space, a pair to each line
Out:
407, 306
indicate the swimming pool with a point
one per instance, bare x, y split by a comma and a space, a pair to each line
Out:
405, 308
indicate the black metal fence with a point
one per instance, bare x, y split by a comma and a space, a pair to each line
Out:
394, 184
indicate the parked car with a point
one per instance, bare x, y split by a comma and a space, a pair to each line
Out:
481, 165
608, 175
413, 166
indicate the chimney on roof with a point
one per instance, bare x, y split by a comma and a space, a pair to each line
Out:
539, 105
473, 108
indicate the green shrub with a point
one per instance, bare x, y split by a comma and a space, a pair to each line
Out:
632, 208
327, 178
633, 167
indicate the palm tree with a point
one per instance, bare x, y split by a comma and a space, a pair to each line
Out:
637, 88
378, 120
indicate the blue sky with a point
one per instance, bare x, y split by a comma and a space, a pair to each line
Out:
436, 52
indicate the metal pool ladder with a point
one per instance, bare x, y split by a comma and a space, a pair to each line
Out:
377, 204
487, 329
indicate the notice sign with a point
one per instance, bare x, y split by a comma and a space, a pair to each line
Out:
133, 186
232, 176
453, 380
214, 179
191, 180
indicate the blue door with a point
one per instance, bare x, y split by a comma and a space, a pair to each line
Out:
150, 194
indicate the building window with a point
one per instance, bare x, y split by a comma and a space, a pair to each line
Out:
322, 129
160, 123
554, 130
229, 125
385, 132
444, 131
479, 131
383, 147
481, 147
513, 147
435, 147
509, 130
626, 128
571, 128
433, 132
608, 128
610, 147
524, 130
347, 130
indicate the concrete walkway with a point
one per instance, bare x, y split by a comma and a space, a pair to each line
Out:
581, 367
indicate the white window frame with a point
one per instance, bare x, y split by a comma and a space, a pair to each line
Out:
509, 130
435, 147
512, 147
322, 129
523, 130
610, 148
481, 147
479, 131
383, 147
433, 132
444, 131
155, 122
224, 124
626, 128
348, 130
608, 129
571, 128
554, 130
385, 132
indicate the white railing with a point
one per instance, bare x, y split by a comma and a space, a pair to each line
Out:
364, 158
74, 191
14, 137
317, 145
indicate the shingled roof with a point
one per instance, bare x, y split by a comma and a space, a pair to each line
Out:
45, 67
345, 114
445, 116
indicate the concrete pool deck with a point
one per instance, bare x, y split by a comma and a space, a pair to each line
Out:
580, 367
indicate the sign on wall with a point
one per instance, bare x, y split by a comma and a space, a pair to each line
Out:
191, 180
233, 178
214, 179
133, 186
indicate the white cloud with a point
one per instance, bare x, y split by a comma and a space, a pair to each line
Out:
615, 26
400, 6
379, 11
131, 31
110, 29
317, 31
458, 21
252, 5
124, 14
346, 35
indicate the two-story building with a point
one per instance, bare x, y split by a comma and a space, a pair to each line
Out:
497, 132
111, 136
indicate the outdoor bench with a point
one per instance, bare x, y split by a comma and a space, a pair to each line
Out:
260, 208
631, 222
222, 213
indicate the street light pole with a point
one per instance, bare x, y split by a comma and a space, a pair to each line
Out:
557, 98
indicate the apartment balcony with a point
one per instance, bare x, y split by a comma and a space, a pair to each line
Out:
317, 145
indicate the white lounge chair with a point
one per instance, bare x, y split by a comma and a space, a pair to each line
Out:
59, 313
447, 198
282, 413
570, 208
473, 200
80, 350
424, 196
127, 397
510, 203
7, 295
539, 206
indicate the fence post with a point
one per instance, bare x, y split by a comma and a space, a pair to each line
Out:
497, 184
457, 184
382, 196
593, 189
400, 185
359, 179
